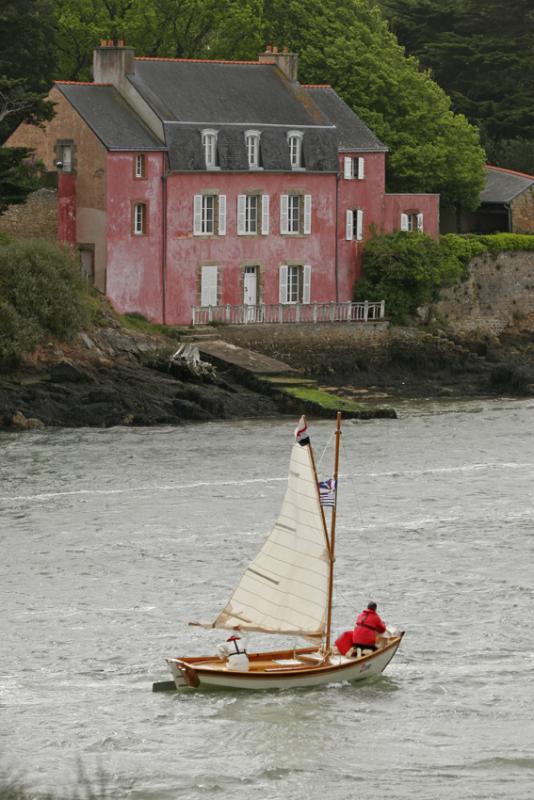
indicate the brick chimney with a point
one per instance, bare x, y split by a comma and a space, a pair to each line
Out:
285, 61
112, 61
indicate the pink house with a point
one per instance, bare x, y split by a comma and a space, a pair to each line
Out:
190, 184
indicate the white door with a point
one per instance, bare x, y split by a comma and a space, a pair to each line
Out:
250, 292
208, 286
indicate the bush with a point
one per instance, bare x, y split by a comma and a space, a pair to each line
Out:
507, 242
407, 270
41, 294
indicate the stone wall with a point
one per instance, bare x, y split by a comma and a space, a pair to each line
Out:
498, 292
34, 219
523, 212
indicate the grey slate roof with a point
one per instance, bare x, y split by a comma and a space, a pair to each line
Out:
353, 134
190, 96
216, 93
503, 185
110, 117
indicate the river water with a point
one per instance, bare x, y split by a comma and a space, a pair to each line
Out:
112, 540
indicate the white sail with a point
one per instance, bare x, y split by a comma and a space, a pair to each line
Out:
285, 588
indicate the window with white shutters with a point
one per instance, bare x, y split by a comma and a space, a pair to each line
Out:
295, 283
209, 214
295, 213
354, 225
412, 221
354, 168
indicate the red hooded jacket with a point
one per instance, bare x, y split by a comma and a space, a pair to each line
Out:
368, 625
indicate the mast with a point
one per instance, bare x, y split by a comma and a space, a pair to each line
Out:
333, 538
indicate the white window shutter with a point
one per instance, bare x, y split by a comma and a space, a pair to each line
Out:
347, 167
208, 286
306, 284
283, 284
349, 225
284, 200
361, 168
241, 203
359, 224
404, 222
420, 223
197, 215
307, 213
265, 214
222, 215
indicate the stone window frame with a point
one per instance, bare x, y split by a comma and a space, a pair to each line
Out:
145, 227
143, 176
219, 213
303, 283
58, 150
412, 221
304, 218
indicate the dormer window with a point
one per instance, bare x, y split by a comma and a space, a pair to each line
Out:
209, 143
294, 141
252, 141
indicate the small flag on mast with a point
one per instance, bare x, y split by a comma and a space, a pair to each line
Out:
301, 432
327, 493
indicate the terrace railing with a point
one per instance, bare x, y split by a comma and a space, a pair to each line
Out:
288, 313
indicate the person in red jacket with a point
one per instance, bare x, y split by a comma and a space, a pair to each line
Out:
368, 625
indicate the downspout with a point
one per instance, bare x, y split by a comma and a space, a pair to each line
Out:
338, 178
508, 208
164, 243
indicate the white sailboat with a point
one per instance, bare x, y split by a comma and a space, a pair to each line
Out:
287, 589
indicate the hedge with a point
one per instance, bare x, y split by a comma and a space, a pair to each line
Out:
407, 270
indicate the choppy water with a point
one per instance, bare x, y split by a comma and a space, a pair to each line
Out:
112, 540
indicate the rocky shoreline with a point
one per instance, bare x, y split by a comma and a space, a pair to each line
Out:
113, 376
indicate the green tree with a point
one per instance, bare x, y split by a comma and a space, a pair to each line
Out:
27, 62
18, 176
165, 28
349, 45
26, 66
408, 269
482, 53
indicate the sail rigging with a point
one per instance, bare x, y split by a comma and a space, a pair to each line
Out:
285, 588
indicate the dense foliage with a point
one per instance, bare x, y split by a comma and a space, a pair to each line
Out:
27, 61
482, 53
407, 270
41, 295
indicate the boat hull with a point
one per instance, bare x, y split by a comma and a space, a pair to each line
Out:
199, 672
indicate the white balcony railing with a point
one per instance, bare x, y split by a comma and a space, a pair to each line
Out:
295, 312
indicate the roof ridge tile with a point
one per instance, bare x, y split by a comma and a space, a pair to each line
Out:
510, 171
199, 60
81, 83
